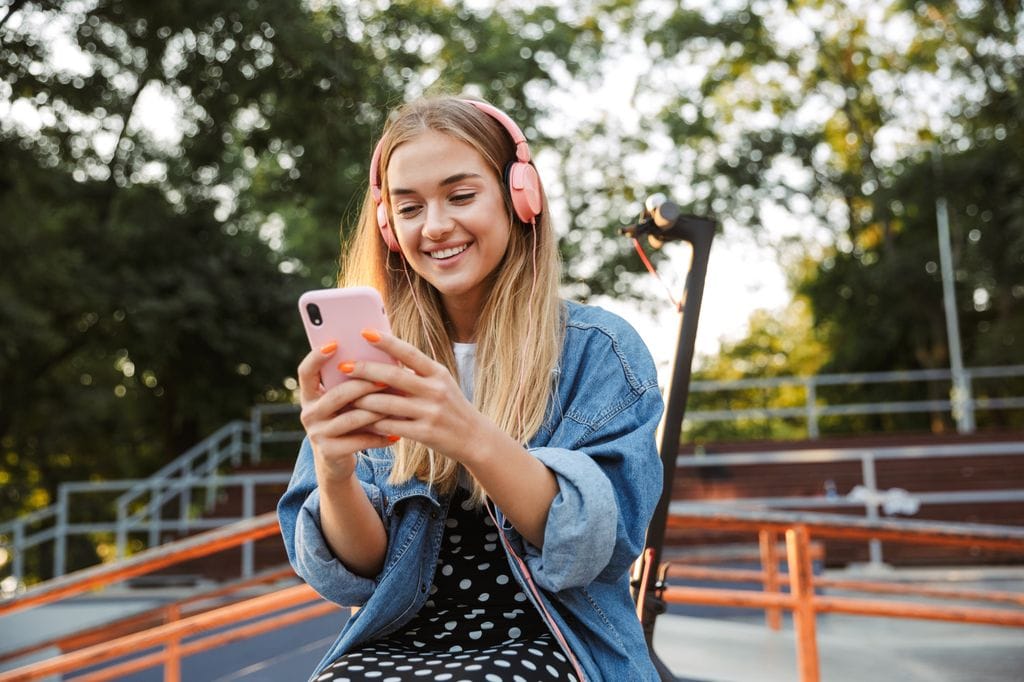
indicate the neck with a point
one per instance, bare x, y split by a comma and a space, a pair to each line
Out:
463, 316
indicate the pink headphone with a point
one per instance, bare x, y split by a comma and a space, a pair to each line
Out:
523, 182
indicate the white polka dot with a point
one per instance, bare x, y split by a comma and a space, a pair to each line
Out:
471, 668
501, 579
356, 667
374, 673
443, 676
447, 569
514, 633
483, 567
536, 653
433, 589
491, 537
490, 546
467, 505
418, 644
491, 677
520, 596
528, 665
453, 664
551, 670
456, 539
455, 649
558, 656
392, 679
475, 634
502, 663
451, 523
518, 678
486, 625
484, 597
422, 673
465, 584
450, 625
403, 668
572, 678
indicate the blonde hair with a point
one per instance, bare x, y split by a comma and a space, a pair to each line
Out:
520, 330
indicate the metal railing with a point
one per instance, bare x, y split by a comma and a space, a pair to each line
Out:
141, 507
799, 529
867, 495
961, 406
278, 609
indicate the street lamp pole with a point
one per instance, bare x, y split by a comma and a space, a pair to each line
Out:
960, 394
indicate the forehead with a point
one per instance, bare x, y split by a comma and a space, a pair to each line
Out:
430, 157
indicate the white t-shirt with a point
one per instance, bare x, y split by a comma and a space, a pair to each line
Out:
465, 360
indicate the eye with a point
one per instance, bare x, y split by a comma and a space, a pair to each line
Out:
463, 197
407, 210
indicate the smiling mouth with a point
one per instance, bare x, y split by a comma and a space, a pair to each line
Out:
448, 253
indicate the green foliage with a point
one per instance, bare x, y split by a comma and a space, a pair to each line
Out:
150, 272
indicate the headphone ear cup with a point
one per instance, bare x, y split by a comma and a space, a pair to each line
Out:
525, 190
385, 228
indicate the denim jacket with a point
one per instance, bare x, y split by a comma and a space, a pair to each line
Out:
598, 439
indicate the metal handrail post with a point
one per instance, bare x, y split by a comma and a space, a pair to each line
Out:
255, 434
867, 461
60, 538
770, 567
121, 543
248, 509
801, 587
811, 391
18, 541
154, 513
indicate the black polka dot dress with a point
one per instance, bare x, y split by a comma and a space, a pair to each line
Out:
477, 625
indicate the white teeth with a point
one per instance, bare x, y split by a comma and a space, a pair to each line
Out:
448, 253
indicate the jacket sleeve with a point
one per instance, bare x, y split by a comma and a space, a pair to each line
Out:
308, 552
604, 456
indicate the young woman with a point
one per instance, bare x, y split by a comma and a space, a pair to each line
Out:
483, 501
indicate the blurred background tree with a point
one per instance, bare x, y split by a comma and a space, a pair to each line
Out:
850, 119
173, 176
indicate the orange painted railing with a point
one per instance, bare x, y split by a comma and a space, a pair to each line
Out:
148, 561
177, 637
195, 603
802, 600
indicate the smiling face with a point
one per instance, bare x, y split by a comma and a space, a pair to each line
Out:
448, 213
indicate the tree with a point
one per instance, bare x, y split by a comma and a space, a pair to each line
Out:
151, 272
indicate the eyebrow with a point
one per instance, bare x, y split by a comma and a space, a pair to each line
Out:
450, 180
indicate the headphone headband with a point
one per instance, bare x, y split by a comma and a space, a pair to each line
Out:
523, 182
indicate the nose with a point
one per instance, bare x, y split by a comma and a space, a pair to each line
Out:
437, 225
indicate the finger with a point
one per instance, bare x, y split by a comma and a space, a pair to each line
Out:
333, 402
389, 405
406, 353
349, 422
309, 371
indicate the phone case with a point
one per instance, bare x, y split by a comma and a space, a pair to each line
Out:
340, 315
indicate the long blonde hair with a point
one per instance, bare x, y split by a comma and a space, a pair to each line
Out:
520, 330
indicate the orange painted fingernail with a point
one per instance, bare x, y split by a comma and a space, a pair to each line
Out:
371, 335
329, 348
346, 367
380, 384
394, 439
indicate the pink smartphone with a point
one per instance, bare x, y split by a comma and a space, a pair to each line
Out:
340, 315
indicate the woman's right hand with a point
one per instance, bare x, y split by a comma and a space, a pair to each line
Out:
336, 431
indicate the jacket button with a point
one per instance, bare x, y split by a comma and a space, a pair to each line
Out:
433, 515
423, 588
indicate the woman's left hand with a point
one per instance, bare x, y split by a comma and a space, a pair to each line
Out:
426, 404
